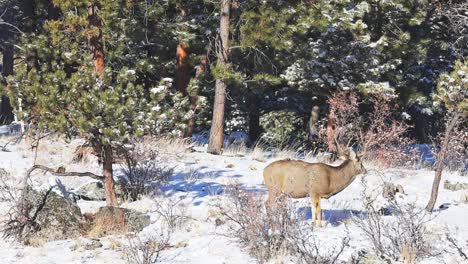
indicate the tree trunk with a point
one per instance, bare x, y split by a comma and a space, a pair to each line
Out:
441, 159
254, 118
6, 111
193, 95
217, 124
314, 129
313, 123
331, 133
182, 73
95, 41
107, 160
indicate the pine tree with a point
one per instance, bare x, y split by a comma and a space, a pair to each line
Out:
98, 78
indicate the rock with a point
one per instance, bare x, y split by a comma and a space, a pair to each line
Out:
219, 222
94, 191
92, 244
4, 131
455, 186
52, 217
390, 190
12, 129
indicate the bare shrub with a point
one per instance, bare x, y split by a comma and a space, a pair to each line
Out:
174, 215
20, 218
144, 171
457, 244
306, 247
457, 148
379, 132
273, 232
147, 250
403, 236
263, 234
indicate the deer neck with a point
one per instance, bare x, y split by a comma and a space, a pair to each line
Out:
342, 176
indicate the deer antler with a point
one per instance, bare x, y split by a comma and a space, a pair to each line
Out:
339, 148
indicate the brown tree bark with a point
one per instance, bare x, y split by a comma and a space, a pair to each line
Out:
109, 190
6, 111
95, 41
182, 68
451, 123
217, 123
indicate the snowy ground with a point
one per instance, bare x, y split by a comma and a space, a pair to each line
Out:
199, 180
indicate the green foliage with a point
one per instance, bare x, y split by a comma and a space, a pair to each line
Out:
283, 55
282, 127
227, 73
66, 96
452, 89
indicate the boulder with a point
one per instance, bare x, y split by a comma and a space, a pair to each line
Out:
50, 217
94, 191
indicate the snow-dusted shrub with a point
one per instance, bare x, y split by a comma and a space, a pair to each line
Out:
457, 243
273, 232
143, 170
173, 214
263, 233
282, 127
402, 236
147, 250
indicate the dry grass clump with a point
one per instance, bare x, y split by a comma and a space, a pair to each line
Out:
107, 222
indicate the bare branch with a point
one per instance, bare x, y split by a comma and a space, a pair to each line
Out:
56, 173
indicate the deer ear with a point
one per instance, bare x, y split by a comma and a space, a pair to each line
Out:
352, 154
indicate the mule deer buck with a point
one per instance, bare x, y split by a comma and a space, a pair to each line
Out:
297, 179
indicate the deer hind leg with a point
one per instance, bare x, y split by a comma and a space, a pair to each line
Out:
315, 208
319, 212
271, 198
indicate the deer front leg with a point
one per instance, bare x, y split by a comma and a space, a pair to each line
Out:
315, 207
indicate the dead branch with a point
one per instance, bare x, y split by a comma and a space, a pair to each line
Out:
61, 174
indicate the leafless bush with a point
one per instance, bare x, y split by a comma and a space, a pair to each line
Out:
143, 170
273, 232
457, 150
306, 247
172, 212
457, 244
148, 250
379, 132
403, 236
20, 218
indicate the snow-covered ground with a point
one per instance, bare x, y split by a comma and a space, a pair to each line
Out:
199, 180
